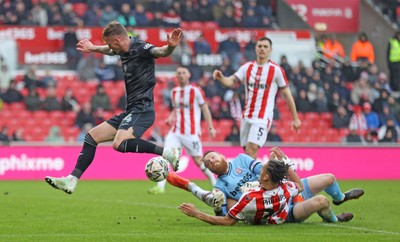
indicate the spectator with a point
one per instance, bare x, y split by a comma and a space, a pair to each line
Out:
394, 107
48, 80
358, 121
341, 118
70, 41
334, 102
371, 117
230, 48
140, 15
195, 70
4, 135
218, 10
30, 79
227, 20
171, 19
126, 18
92, 15
108, 15
223, 112
201, 45
320, 104
251, 20
332, 47
5, 77
386, 114
361, 91
393, 59
189, 11
362, 49
394, 131
234, 135
100, 100
86, 68
182, 53
104, 72
51, 103
347, 71
69, 16
390, 137
383, 82
381, 101
39, 14
69, 102
205, 12
157, 20
85, 115
55, 136
371, 138
285, 65
249, 53
273, 135
353, 136
18, 135
156, 6
11, 95
32, 100
303, 105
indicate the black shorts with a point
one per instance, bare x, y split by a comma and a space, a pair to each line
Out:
139, 118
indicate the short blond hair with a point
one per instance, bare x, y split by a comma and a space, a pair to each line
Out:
114, 28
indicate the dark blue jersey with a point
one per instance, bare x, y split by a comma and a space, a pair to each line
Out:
138, 66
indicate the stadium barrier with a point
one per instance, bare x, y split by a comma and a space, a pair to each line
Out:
346, 163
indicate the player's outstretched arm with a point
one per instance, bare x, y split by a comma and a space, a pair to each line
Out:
86, 46
191, 211
173, 40
226, 81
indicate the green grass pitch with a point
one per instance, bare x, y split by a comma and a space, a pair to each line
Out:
123, 211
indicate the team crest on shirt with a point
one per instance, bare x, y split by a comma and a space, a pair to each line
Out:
238, 171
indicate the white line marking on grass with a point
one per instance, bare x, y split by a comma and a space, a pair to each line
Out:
363, 229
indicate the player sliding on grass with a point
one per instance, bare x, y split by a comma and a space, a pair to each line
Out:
126, 128
267, 204
243, 169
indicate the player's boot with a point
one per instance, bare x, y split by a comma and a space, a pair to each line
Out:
67, 184
351, 194
344, 217
177, 181
156, 190
172, 155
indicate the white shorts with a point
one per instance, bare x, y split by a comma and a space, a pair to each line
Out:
254, 131
191, 143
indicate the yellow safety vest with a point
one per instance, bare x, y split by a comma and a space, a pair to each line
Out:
394, 55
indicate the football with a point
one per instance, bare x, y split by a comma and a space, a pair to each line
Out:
157, 169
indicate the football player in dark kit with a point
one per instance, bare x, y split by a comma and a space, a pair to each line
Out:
125, 129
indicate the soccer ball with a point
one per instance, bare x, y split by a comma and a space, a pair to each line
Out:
157, 169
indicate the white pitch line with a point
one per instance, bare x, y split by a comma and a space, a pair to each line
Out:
363, 229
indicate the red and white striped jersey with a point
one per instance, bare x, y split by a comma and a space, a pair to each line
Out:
187, 102
259, 206
261, 84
